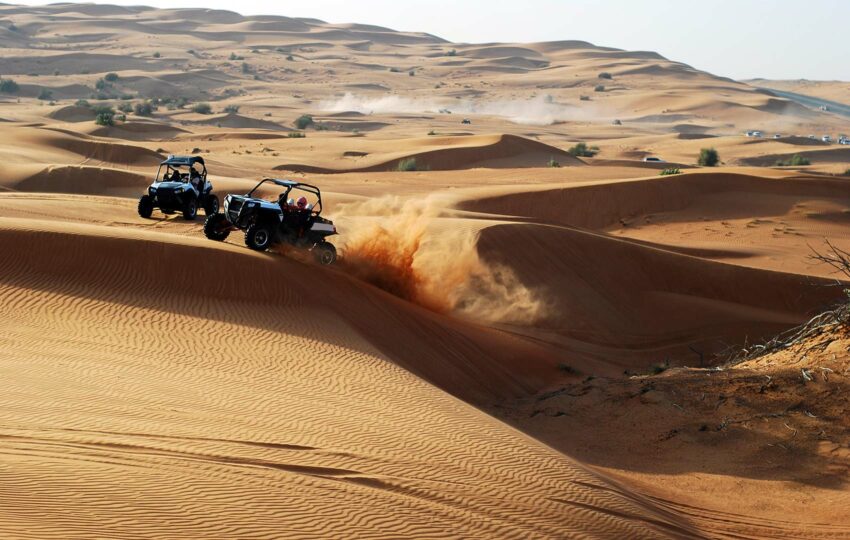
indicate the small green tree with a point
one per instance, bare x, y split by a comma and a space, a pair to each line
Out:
582, 150
553, 163
45, 94
708, 157
157, 55
125, 107
144, 109
304, 121
82, 103
8, 86
407, 165
231, 109
605, 75
111, 77
796, 161
105, 119
599, 88
202, 108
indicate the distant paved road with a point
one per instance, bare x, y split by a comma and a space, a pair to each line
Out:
813, 102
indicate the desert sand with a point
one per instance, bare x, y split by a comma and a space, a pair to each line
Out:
516, 342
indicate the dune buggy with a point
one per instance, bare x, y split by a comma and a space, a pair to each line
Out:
281, 222
180, 185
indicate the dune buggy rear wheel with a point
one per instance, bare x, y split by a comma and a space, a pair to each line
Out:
190, 209
258, 237
211, 205
145, 206
216, 227
325, 253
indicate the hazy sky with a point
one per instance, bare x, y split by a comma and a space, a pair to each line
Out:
779, 39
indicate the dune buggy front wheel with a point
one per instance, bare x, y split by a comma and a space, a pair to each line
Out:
211, 205
145, 206
325, 253
190, 209
258, 237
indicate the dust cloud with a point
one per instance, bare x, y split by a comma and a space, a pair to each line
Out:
539, 111
405, 247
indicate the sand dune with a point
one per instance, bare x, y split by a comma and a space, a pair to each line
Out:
502, 349
271, 453
502, 151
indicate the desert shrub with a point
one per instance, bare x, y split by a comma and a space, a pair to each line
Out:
395, 70
255, 51
657, 369
618, 123
566, 368
56, 72
8, 86
13, 27
231, 109
45, 95
105, 119
101, 84
599, 88
553, 163
432, 132
796, 161
708, 157
605, 75
191, 51
246, 67
157, 55
202, 108
584, 98
290, 58
126, 96
296, 135
322, 127
111, 77
847, 172
668, 172
125, 107
234, 56
82, 103
144, 109
582, 150
411, 73
407, 165
121, 117
452, 52
304, 121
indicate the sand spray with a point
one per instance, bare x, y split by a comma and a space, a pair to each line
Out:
408, 248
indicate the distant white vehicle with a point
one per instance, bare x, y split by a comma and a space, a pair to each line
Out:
824, 108
653, 160
826, 139
844, 140
750, 133
758, 134
777, 136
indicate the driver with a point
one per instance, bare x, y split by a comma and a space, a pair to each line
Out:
299, 216
195, 179
175, 176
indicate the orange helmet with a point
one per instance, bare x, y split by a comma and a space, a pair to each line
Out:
302, 202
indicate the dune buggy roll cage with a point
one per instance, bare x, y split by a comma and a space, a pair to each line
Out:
173, 163
289, 186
